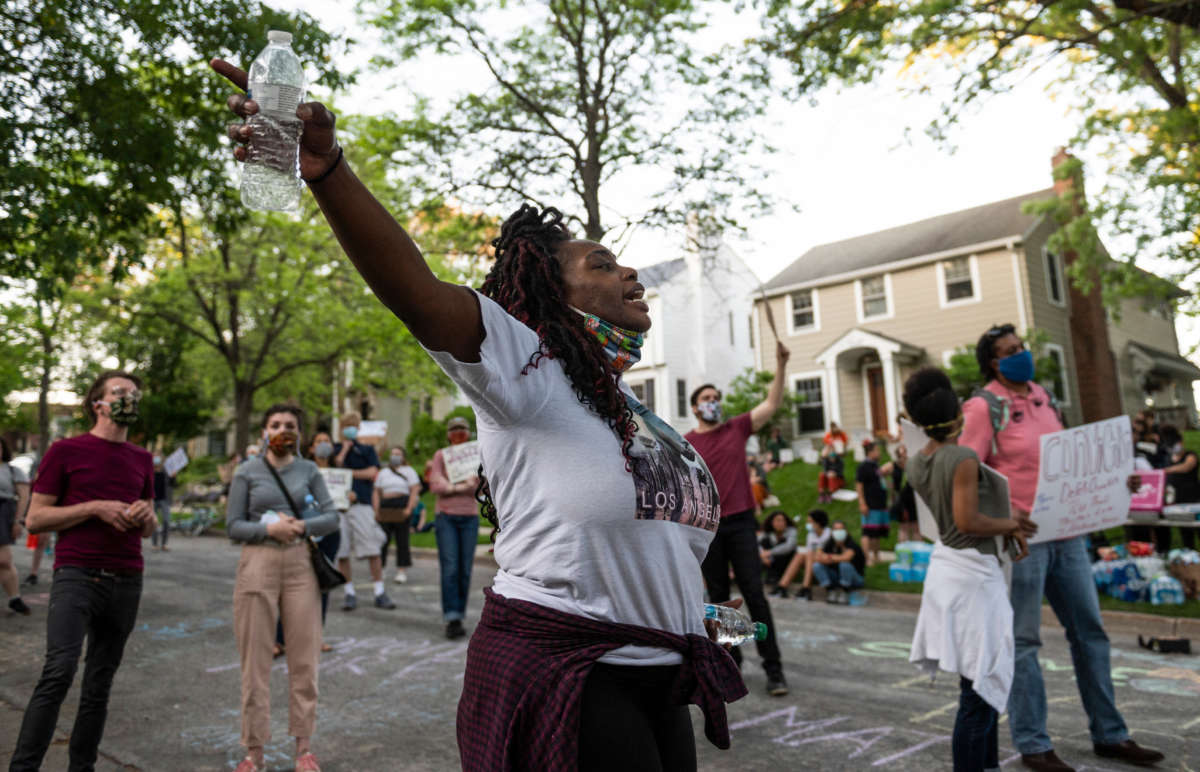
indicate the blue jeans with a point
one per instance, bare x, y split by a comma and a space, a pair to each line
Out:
1060, 570
456, 537
843, 575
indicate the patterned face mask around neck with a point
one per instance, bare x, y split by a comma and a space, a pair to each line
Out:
623, 348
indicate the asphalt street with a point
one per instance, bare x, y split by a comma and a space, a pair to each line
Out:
390, 686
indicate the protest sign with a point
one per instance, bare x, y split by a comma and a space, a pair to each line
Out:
1083, 479
462, 461
372, 429
338, 482
175, 462
787, 456
1149, 495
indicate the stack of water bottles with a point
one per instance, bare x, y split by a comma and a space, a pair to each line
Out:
912, 561
1137, 579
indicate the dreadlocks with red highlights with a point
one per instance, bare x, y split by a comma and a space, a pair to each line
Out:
526, 281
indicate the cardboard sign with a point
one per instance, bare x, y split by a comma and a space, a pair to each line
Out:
1083, 479
1149, 497
462, 461
338, 481
372, 429
175, 462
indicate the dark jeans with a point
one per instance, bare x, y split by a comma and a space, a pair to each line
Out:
975, 745
399, 531
628, 721
456, 537
736, 544
163, 508
102, 607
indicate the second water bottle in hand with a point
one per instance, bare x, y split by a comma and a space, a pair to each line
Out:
734, 627
271, 174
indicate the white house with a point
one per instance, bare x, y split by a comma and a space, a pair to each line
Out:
701, 305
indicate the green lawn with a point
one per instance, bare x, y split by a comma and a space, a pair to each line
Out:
796, 487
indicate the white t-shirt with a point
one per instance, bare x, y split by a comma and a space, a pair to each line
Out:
10, 478
397, 482
579, 533
814, 543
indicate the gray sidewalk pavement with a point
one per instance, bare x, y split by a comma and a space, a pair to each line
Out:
390, 686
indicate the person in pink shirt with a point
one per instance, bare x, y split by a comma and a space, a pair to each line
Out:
1006, 435
457, 528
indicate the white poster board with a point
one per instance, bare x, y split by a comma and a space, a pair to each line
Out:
1083, 479
338, 481
462, 460
786, 455
913, 438
175, 462
372, 429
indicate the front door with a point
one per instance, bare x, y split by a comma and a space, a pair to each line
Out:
877, 398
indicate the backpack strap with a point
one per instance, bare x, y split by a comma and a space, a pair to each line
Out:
999, 412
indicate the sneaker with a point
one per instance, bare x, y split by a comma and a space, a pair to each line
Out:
778, 592
18, 605
248, 765
777, 686
805, 593
349, 603
383, 601
307, 763
30, 580
455, 629
831, 595
400, 578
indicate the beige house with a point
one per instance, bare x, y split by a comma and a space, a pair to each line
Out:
860, 315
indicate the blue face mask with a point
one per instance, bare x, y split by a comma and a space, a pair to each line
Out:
350, 433
1017, 368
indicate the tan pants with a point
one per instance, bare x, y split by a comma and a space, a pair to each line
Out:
272, 580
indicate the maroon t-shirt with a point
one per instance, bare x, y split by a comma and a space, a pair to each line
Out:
88, 468
724, 451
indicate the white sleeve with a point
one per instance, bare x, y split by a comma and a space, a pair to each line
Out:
495, 386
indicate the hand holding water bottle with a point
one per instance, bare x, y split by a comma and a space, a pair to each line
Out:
728, 626
319, 151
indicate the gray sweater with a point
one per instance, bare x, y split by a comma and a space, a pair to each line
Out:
254, 492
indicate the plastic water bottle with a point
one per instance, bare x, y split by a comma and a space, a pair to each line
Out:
734, 627
271, 174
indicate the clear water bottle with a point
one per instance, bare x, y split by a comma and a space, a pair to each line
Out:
271, 174
734, 627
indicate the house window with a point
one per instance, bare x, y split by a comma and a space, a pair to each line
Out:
1058, 384
216, 443
956, 274
810, 413
804, 312
644, 392
1054, 277
681, 398
874, 297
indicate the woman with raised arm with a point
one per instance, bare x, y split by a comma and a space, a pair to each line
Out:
591, 641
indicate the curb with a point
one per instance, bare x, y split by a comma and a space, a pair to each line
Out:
1114, 621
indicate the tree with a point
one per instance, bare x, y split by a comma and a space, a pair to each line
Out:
963, 368
102, 105
1129, 70
748, 389
575, 99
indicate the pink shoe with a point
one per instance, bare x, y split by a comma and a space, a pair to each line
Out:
247, 765
306, 763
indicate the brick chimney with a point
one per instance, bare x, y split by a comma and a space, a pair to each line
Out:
1095, 365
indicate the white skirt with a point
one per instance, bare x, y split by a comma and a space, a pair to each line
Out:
966, 622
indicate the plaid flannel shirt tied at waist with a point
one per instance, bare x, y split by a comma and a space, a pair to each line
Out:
526, 668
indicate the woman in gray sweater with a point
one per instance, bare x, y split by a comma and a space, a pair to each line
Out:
275, 579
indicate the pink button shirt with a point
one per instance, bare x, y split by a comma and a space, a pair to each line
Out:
1018, 446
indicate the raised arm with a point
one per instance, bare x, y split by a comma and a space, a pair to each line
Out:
442, 316
760, 414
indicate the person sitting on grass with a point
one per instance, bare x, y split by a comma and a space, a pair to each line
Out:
840, 565
778, 543
805, 557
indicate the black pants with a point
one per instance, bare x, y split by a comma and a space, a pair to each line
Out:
975, 745
398, 531
628, 722
102, 607
735, 544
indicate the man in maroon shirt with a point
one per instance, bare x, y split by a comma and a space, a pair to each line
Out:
97, 491
722, 445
